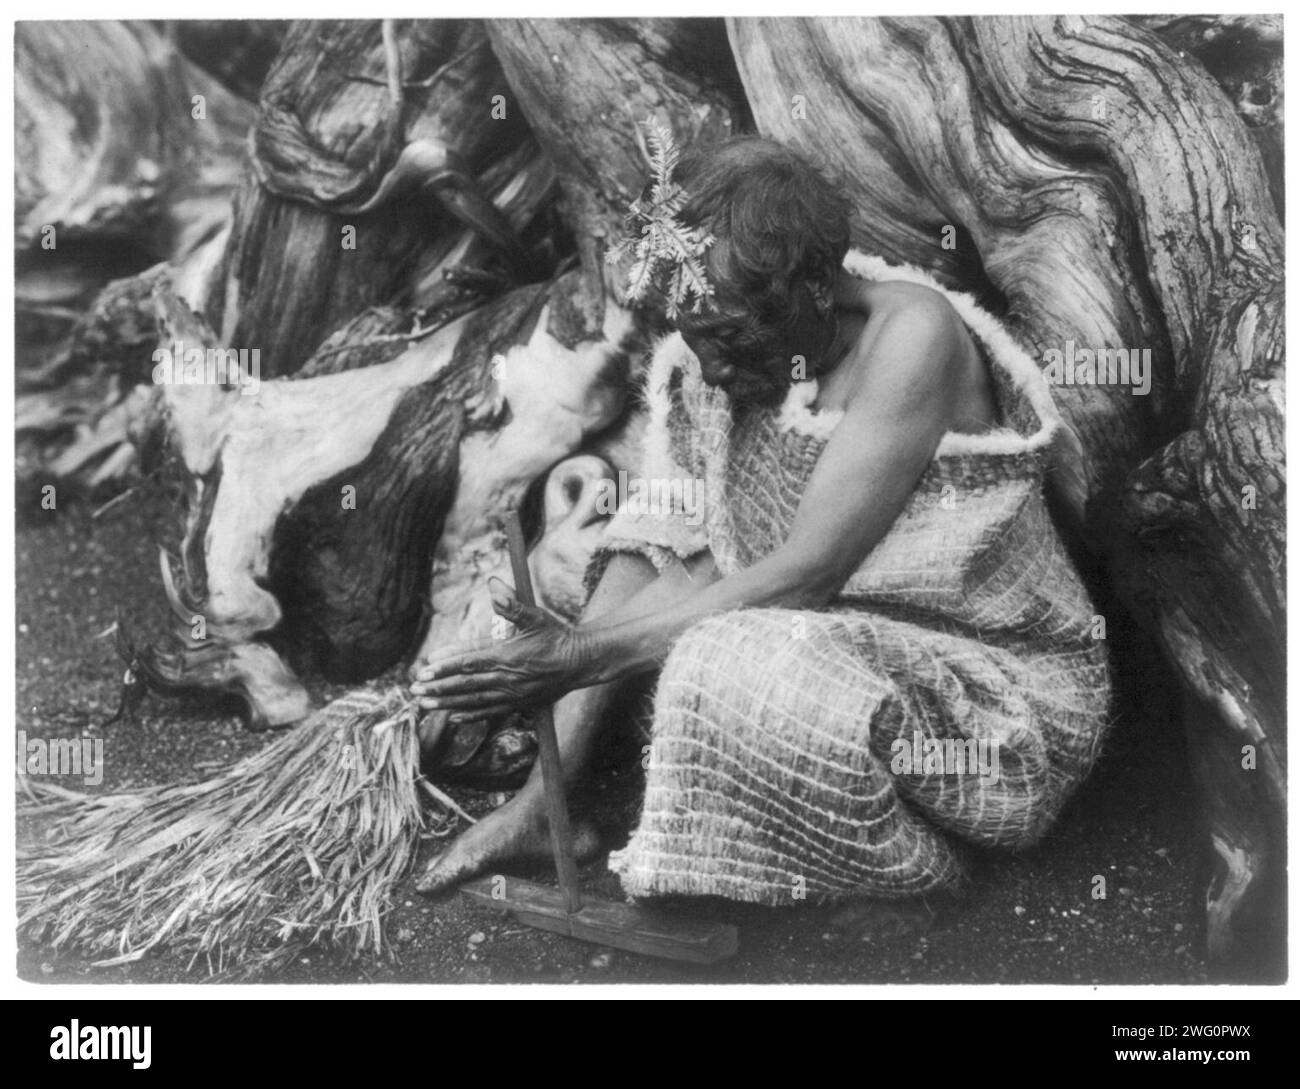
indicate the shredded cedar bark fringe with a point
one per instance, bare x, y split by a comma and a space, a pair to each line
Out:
295, 846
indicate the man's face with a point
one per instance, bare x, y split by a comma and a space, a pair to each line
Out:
749, 375
756, 366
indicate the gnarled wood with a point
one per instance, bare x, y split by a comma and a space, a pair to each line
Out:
585, 117
114, 173
1243, 53
354, 131
332, 516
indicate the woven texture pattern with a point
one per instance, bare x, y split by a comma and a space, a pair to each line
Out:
774, 770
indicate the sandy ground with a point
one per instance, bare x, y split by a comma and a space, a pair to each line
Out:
1028, 917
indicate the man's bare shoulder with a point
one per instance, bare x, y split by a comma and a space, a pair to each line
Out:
919, 303
908, 359
918, 360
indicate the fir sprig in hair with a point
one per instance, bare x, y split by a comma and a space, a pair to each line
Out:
666, 252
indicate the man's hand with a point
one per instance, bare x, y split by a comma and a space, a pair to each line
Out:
545, 659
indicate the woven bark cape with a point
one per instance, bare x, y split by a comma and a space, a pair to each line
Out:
780, 764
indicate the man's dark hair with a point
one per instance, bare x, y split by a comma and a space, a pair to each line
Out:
781, 227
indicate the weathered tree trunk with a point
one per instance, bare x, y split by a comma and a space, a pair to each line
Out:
330, 517
114, 151
1244, 55
1113, 199
372, 148
126, 154
586, 116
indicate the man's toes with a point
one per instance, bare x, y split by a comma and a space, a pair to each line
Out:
434, 881
494, 842
445, 872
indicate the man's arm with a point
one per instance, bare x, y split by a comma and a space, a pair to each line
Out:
674, 585
899, 408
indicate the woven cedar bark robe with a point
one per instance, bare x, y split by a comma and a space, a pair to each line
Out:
776, 768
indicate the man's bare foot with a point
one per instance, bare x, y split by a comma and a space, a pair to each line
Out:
516, 832
881, 920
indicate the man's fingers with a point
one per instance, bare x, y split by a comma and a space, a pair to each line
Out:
483, 702
459, 683
452, 665
475, 701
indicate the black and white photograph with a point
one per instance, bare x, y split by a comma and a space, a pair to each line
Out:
528, 502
